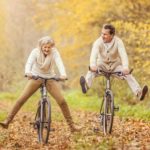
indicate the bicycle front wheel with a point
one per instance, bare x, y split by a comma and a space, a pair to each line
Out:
37, 121
45, 120
108, 112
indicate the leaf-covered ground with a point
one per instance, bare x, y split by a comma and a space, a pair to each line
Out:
128, 134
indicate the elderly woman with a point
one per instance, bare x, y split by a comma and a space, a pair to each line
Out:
41, 62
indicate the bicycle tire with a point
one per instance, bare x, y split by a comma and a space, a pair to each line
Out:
37, 121
45, 120
101, 116
108, 112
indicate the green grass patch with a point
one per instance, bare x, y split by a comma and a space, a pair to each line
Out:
5, 96
138, 110
78, 101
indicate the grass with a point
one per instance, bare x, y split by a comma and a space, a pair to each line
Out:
138, 110
85, 102
78, 101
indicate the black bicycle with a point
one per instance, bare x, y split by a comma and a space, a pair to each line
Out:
42, 121
107, 107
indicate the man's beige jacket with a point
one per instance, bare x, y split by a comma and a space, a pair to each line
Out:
109, 55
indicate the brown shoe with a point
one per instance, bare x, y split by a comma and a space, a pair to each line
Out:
83, 84
4, 124
143, 92
75, 129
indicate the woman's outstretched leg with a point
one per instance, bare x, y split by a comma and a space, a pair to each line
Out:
30, 88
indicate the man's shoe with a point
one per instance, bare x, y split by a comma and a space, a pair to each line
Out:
83, 84
143, 92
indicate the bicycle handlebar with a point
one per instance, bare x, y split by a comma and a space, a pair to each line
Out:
118, 73
53, 78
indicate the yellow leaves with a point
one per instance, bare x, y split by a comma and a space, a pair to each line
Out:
2, 27
76, 24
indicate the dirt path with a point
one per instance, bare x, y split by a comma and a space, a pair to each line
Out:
127, 135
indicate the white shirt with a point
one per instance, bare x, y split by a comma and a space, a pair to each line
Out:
96, 57
33, 67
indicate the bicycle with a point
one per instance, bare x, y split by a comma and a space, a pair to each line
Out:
107, 107
42, 121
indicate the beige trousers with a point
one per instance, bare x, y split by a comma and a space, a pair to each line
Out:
133, 84
53, 89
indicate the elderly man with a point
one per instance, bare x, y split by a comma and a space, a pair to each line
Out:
109, 54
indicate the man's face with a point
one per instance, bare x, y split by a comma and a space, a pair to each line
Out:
46, 49
106, 36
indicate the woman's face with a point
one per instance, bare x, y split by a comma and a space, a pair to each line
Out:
46, 49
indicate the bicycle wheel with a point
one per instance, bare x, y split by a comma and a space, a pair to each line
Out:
37, 121
45, 120
108, 112
101, 117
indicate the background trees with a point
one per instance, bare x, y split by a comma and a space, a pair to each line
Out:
74, 25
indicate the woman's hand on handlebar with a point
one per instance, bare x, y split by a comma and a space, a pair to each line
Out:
28, 75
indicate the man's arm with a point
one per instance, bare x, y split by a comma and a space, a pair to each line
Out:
123, 56
94, 56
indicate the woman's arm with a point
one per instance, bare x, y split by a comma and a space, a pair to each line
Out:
59, 63
30, 61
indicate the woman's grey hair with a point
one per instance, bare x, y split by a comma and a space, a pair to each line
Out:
46, 40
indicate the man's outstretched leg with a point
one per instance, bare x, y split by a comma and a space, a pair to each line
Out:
86, 82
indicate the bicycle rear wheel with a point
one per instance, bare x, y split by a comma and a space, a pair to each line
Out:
108, 112
45, 120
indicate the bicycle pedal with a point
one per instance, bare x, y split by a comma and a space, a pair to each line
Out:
35, 126
96, 129
32, 123
116, 108
101, 118
52, 129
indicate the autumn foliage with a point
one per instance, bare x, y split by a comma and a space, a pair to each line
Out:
74, 25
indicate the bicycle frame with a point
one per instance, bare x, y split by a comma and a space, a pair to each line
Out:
108, 86
107, 107
43, 114
43, 89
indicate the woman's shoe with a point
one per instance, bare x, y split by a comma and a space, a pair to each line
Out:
74, 128
4, 124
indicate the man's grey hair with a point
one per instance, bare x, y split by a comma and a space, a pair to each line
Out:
110, 27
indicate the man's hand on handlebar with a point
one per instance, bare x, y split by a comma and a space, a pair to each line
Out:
126, 71
63, 77
93, 68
